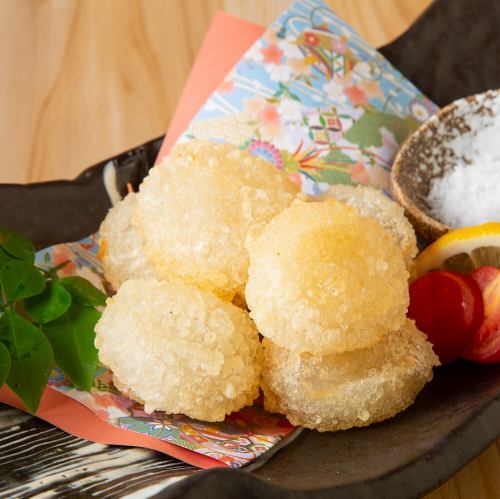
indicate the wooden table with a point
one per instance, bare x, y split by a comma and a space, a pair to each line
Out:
82, 80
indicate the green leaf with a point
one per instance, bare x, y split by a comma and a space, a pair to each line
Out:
5, 257
31, 358
72, 338
83, 292
19, 279
17, 246
53, 271
4, 363
334, 177
365, 132
49, 305
337, 156
322, 121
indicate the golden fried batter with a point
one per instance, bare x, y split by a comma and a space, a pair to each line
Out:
196, 209
123, 257
180, 350
358, 388
324, 279
390, 215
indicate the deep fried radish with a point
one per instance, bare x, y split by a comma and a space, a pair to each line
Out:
390, 215
180, 350
358, 388
197, 208
324, 279
122, 257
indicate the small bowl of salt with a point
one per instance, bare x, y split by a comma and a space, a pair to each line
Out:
447, 174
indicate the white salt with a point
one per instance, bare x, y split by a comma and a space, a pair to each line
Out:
469, 193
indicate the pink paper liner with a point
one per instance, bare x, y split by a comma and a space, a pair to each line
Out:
215, 59
74, 418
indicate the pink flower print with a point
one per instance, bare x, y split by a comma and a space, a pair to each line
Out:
356, 95
106, 399
300, 67
272, 54
101, 413
269, 115
311, 39
226, 86
296, 178
62, 254
338, 45
271, 131
271, 35
345, 80
254, 106
371, 88
358, 173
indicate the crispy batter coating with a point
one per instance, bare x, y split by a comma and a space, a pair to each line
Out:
197, 208
324, 279
123, 257
179, 349
390, 215
358, 388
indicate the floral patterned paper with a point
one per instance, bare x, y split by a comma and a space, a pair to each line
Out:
239, 439
314, 98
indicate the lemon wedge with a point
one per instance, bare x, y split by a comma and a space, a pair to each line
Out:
462, 250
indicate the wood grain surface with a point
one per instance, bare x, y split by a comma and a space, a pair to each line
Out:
82, 80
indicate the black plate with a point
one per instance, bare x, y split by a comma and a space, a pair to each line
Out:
451, 51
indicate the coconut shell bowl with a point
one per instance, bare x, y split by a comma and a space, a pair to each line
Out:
426, 154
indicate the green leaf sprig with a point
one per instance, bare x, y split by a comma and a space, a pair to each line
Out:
45, 320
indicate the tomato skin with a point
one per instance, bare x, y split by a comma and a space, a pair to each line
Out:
485, 346
448, 307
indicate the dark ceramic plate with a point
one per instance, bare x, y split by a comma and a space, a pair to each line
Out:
450, 52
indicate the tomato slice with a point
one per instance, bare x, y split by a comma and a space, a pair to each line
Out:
485, 346
448, 307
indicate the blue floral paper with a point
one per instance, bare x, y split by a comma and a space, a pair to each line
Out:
315, 99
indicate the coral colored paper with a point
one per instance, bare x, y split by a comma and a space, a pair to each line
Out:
74, 418
227, 38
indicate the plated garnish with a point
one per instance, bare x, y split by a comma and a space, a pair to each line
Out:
459, 309
45, 321
448, 307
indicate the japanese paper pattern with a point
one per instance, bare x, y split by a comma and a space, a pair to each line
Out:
314, 98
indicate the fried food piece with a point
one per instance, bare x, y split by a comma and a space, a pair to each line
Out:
197, 208
390, 215
358, 388
122, 256
324, 279
179, 349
